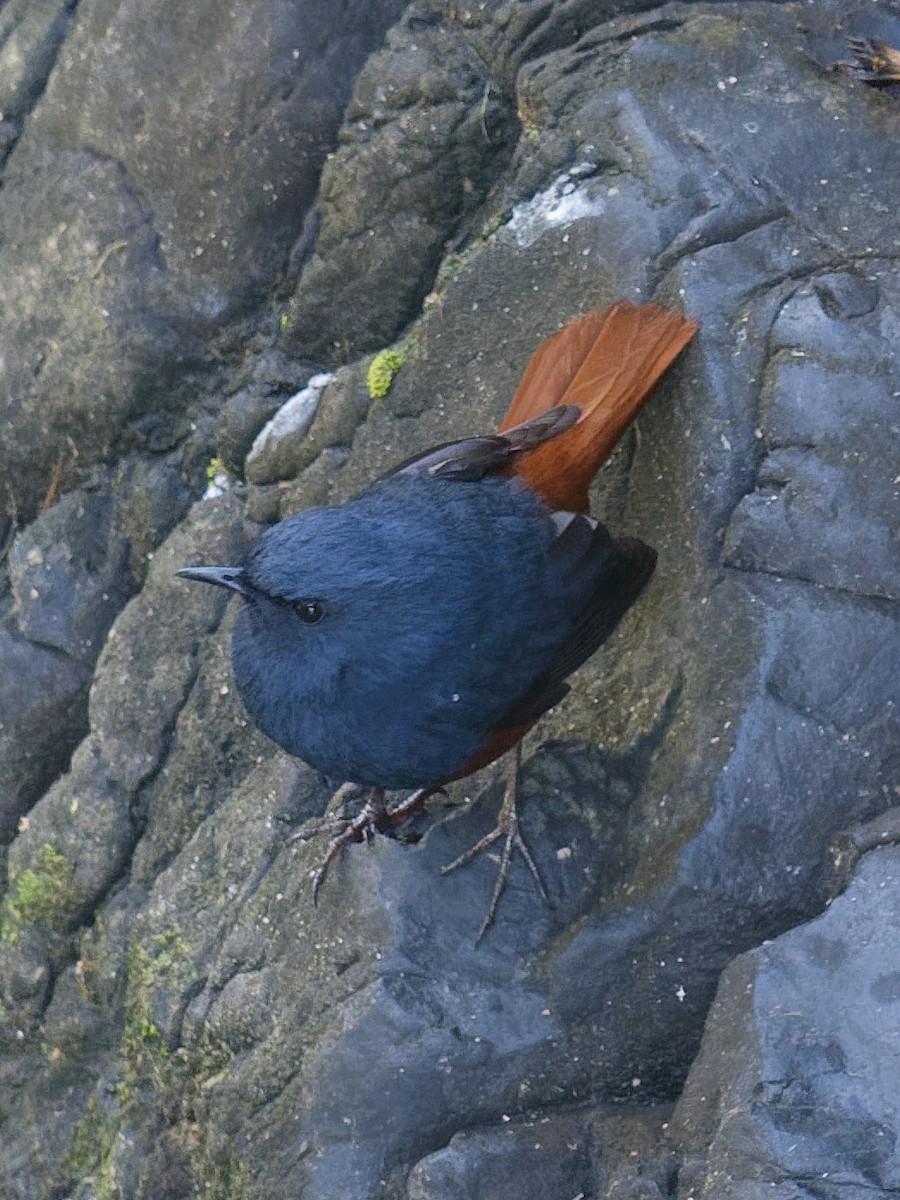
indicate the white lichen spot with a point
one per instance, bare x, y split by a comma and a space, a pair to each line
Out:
562, 203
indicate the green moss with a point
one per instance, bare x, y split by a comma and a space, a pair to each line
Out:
40, 894
143, 1046
172, 1081
90, 1144
382, 369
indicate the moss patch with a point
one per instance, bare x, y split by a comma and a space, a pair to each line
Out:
40, 895
89, 1147
382, 369
167, 1083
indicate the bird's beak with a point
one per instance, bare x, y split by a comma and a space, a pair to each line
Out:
227, 577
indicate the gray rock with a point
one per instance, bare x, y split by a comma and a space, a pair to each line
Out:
30, 38
516, 1162
274, 452
81, 339
793, 1091
43, 715
586, 1152
829, 473
261, 389
71, 571
77, 840
128, 247
67, 571
425, 136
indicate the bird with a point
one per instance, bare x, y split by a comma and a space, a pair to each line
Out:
414, 634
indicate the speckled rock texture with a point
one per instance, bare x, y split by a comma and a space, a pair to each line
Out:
708, 1007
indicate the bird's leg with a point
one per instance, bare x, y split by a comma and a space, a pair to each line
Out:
374, 817
507, 828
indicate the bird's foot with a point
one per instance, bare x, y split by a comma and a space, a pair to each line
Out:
373, 818
507, 829
872, 61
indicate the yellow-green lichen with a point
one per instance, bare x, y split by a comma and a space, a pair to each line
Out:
39, 895
214, 468
382, 369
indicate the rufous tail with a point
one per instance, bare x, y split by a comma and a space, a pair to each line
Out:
607, 362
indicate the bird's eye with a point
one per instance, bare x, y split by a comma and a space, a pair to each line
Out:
309, 611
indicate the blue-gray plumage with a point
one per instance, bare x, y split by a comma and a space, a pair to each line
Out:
441, 604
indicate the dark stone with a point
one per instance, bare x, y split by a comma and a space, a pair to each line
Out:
588, 1152
264, 502
283, 440
92, 816
332, 417
519, 1161
824, 489
43, 699
70, 572
30, 37
271, 378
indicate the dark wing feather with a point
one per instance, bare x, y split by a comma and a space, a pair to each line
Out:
620, 569
472, 459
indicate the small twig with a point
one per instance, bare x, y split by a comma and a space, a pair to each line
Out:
121, 244
9, 539
482, 111
55, 479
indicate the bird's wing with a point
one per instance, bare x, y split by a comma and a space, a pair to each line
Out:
474, 458
619, 568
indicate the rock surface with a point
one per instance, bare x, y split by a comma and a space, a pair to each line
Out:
794, 1091
177, 1018
151, 203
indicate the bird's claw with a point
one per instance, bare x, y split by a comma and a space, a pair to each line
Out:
872, 61
507, 827
361, 829
373, 818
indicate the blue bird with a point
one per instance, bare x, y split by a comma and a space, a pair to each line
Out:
414, 634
